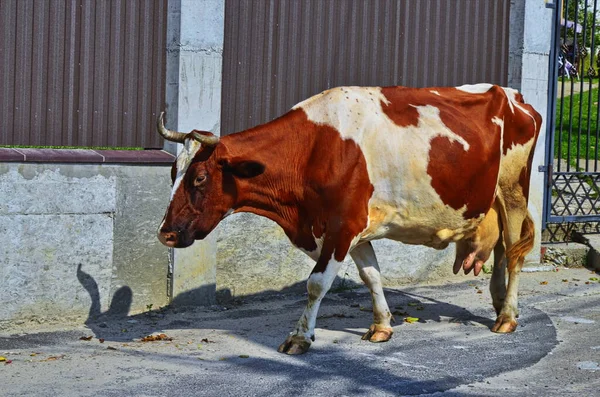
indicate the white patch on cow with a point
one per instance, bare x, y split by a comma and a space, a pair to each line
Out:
314, 255
511, 94
318, 284
475, 88
435, 92
184, 159
521, 108
404, 205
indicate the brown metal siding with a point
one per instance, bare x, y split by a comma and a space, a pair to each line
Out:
279, 52
82, 72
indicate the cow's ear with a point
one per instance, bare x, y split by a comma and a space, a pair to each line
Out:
243, 168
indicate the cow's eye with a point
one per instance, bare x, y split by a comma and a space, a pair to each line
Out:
200, 179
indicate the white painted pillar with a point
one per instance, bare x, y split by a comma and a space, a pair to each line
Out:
195, 31
530, 41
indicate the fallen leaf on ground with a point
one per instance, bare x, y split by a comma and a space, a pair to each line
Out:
565, 280
413, 304
543, 282
8, 362
152, 338
244, 356
365, 309
2, 359
479, 291
86, 338
205, 340
411, 319
594, 279
111, 348
101, 340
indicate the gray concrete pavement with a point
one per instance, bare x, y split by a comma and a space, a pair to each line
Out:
231, 350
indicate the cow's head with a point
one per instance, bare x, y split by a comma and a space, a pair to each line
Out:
205, 186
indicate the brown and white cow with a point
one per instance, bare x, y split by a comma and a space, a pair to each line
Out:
427, 166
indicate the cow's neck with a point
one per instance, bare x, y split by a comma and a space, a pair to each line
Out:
283, 146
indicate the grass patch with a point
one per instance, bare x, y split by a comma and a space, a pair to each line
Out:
574, 119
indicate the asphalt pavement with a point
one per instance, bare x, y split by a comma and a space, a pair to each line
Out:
231, 350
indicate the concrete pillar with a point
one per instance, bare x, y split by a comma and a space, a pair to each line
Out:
529, 50
193, 96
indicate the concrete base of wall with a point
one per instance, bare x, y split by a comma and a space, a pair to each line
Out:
254, 255
80, 240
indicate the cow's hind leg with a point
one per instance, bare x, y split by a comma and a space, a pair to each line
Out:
518, 237
498, 281
368, 269
317, 285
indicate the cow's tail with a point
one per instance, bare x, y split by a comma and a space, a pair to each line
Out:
516, 253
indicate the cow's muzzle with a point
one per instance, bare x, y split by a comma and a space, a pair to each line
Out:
174, 239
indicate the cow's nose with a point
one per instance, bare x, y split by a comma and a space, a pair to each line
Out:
168, 238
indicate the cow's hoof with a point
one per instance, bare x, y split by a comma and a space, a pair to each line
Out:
504, 324
294, 344
378, 333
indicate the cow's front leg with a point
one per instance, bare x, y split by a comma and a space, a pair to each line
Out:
368, 269
318, 284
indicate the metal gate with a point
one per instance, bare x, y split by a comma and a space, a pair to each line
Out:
572, 196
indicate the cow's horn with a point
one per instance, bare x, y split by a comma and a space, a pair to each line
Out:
207, 140
169, 135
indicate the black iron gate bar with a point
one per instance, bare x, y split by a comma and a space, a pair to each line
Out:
573, 189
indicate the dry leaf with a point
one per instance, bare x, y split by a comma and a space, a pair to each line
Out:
565, 280
111, 348
2, 359
205, 340
411, 319
152, 338
479, 291
101, 340
88, 338
543, 283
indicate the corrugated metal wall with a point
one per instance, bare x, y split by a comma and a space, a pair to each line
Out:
81, 72
279, 52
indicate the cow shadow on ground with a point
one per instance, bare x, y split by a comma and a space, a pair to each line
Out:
346, 308
419, 359
423, 361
